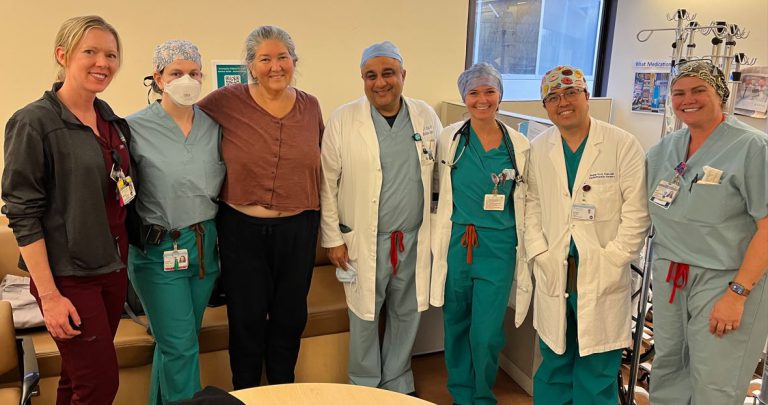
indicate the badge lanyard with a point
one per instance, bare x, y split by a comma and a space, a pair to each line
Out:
667, 191
126, 191
495, 201
176, 259
425, 149
584, 211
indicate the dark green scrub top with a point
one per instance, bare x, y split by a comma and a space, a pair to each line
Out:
572, 160
471, 181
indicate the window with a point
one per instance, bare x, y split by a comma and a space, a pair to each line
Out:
524, 39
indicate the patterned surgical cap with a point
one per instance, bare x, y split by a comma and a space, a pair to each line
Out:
169, 51
562, 77
704, 70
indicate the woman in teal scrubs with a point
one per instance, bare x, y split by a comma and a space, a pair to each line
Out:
479, 223
176, 150
709, 203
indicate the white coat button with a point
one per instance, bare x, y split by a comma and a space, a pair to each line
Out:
573, 225
565, 194
565, 261
566, 295
373, 201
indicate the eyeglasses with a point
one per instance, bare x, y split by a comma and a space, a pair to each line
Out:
568, 95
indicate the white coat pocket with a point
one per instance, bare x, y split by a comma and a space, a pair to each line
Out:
546, 272
613, 279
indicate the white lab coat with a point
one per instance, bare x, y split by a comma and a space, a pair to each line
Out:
441, 223
613, 166
349, 194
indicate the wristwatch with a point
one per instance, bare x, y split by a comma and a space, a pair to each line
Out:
738, 288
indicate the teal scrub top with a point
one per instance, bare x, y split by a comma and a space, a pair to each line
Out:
401, 200
572, 161
178, 178
710, 226
471, 181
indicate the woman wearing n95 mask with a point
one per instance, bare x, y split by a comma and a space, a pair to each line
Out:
174, 264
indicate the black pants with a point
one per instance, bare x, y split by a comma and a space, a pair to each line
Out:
266, 270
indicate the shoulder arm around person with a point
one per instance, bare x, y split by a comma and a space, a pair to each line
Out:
216, 101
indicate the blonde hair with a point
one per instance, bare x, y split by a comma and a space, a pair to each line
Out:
72, 32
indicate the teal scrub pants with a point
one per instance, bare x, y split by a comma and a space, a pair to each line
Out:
691, 365
388, 365
572, 379
476, 297
174, 302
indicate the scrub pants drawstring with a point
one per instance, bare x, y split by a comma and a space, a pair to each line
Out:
199, 235
678, 274
395, 245
469, 241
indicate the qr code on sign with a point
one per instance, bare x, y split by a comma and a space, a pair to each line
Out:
231, 79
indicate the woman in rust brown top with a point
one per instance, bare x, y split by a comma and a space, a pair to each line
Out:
269, 215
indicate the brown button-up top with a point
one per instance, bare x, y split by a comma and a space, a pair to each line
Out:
271, 162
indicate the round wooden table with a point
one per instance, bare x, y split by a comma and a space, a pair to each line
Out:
322, 394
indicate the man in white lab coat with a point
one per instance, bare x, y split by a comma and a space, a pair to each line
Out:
377, 162
586, 220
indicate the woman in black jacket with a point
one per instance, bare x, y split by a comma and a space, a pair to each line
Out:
65, 186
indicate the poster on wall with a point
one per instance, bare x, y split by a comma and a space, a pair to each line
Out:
229, 72
649, 93
751, 98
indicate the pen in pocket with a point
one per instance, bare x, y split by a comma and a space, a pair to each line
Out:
695, 180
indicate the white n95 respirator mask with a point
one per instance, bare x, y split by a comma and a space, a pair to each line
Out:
184, 90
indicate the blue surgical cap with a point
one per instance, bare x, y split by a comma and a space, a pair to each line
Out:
385, 48
480, 74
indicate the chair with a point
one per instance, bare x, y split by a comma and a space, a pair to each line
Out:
16, 354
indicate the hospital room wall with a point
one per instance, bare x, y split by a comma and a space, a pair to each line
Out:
329, 37
633, 16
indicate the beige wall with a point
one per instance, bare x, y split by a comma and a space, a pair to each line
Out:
633, 16
329, 38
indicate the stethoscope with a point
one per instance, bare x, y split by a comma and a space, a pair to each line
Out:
463, 132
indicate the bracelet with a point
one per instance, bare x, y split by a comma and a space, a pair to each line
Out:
48, 293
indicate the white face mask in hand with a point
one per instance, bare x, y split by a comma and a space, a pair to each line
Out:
346, 276
183, 91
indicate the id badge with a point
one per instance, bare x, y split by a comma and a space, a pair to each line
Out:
175, 260
509, 174
126, 190
665, 194
583, 212
494, 202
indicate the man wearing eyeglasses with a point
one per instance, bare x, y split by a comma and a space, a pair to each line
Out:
586, 220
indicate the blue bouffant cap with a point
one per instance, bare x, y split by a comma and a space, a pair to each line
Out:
480, 74
385, 48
